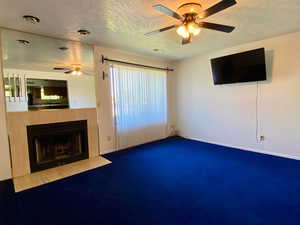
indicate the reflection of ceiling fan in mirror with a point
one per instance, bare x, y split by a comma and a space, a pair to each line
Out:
74, 69
191, 15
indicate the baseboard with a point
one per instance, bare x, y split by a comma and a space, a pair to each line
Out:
245, 149
5, 178
106, 151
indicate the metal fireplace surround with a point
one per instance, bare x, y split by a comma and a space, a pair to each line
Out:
56, 144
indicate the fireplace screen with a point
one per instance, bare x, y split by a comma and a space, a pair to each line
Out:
56, 144
57, 147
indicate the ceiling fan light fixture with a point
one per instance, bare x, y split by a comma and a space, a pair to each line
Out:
189, 14
183, 31
193, 28
76, 72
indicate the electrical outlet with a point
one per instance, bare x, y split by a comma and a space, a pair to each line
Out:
172, 127
172, 130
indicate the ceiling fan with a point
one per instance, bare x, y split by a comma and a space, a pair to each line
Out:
74, 69
191, 15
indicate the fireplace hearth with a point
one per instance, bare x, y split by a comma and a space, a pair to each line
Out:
56, 144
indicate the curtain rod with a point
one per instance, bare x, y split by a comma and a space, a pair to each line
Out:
135, 64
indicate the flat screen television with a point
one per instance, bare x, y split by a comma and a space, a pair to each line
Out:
241, 67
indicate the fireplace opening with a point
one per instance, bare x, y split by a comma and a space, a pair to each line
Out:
56, 144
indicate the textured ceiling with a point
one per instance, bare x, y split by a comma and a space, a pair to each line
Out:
122, 23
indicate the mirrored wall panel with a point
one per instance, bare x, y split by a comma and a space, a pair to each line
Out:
42, 73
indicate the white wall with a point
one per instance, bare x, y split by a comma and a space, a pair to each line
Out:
104, 103
226, 114
81, 89
5, 167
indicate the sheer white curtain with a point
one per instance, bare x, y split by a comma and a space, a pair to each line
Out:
139, 105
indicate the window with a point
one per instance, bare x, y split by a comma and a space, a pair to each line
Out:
139, 104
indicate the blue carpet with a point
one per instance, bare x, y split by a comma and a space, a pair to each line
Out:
170, 182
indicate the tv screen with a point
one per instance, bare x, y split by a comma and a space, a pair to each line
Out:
241, 67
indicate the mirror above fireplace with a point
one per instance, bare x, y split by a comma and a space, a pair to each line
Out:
46, 73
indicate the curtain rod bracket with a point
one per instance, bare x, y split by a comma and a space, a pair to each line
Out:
104, 75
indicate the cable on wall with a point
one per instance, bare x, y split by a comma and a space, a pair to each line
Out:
257, 112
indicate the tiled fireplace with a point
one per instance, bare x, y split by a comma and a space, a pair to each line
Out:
56, 144
48, 138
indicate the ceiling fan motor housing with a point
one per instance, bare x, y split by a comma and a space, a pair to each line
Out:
189, 18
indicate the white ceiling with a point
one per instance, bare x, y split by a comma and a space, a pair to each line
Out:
122, 23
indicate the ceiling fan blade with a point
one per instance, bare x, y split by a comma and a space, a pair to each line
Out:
87, 73
186, 40
161, 30
167, 11
224, 4
215, 26
61, 68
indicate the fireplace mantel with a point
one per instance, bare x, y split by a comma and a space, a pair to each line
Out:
17, 130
